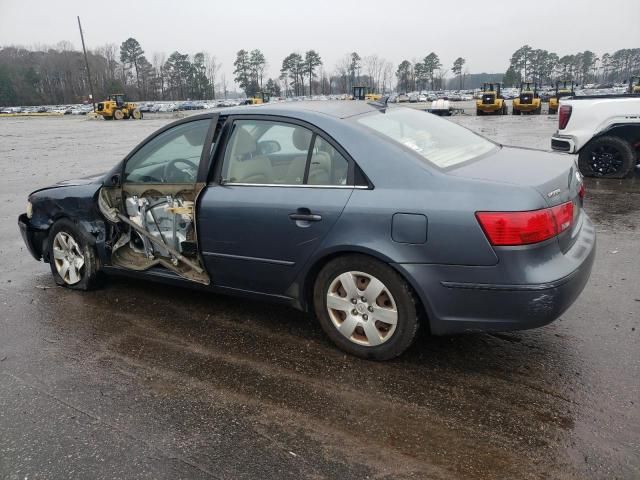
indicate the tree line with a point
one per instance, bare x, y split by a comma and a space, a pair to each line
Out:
57, 75
545, 67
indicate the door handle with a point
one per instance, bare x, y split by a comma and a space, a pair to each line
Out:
305, 217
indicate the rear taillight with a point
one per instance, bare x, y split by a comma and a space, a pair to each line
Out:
581, 191
524, 228
564, 115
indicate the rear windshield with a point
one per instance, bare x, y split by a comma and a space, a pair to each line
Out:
438, 141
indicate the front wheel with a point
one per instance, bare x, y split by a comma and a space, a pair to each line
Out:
73, 261
118, 115
137, 114
609, 157
365, 307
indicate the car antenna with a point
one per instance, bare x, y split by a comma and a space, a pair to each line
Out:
380, 103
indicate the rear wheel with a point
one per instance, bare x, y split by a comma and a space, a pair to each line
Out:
609, 157
73, 261
118, 115
479, 112
365, 307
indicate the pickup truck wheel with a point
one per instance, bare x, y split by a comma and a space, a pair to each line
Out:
608, 157
365, 307
72, 259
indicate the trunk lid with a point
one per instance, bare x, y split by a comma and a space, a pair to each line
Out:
555, 176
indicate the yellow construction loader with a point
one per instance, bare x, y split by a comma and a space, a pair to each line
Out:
258, 98
491, 102
528, 101
564, 88
117, 108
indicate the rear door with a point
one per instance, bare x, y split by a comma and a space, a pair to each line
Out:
279, 188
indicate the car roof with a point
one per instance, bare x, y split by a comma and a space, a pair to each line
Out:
332, 108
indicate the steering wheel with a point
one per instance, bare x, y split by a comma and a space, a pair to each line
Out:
170, 169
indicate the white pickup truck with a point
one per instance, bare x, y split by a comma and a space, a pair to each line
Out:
603, 130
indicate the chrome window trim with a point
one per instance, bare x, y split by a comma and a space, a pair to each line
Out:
287, 185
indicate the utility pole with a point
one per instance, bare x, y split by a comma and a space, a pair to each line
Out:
86, 61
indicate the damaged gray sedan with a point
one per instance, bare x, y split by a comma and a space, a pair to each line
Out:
379, 220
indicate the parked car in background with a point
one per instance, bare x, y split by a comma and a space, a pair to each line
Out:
402, 97
603, 130
298, 203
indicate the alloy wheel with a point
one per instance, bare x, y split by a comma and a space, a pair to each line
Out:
362, 308
68, 258
606, 160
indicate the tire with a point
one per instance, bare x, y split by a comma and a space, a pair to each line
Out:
505, 109
607, 157
479, 112
118, 115
108, 118
552, 111
86, 275
137, 114
366, 335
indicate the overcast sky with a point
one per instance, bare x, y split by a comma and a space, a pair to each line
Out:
409, 29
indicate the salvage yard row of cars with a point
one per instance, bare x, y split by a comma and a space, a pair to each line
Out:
410, 97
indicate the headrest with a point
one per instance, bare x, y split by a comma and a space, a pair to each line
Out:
301, 138
244, 143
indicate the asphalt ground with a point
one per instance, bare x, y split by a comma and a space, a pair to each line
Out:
140, 380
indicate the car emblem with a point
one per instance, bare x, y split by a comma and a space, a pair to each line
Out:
554, 193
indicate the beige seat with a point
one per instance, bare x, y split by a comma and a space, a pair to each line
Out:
320, 167
245, 166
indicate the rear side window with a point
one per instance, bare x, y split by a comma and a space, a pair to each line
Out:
269, 152
327, 166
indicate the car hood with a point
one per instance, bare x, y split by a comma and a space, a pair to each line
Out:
554, 175
92, 179
80, 181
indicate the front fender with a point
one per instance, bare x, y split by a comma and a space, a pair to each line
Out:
76, 203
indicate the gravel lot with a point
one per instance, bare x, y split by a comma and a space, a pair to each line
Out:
139, 380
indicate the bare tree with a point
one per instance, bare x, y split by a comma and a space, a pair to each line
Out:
373, 66
212, 67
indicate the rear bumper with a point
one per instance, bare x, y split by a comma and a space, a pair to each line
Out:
457, 299
563, 143
33, 238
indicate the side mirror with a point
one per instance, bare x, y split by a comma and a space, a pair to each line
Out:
268, 147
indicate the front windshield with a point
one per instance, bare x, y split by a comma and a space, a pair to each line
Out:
435, 140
